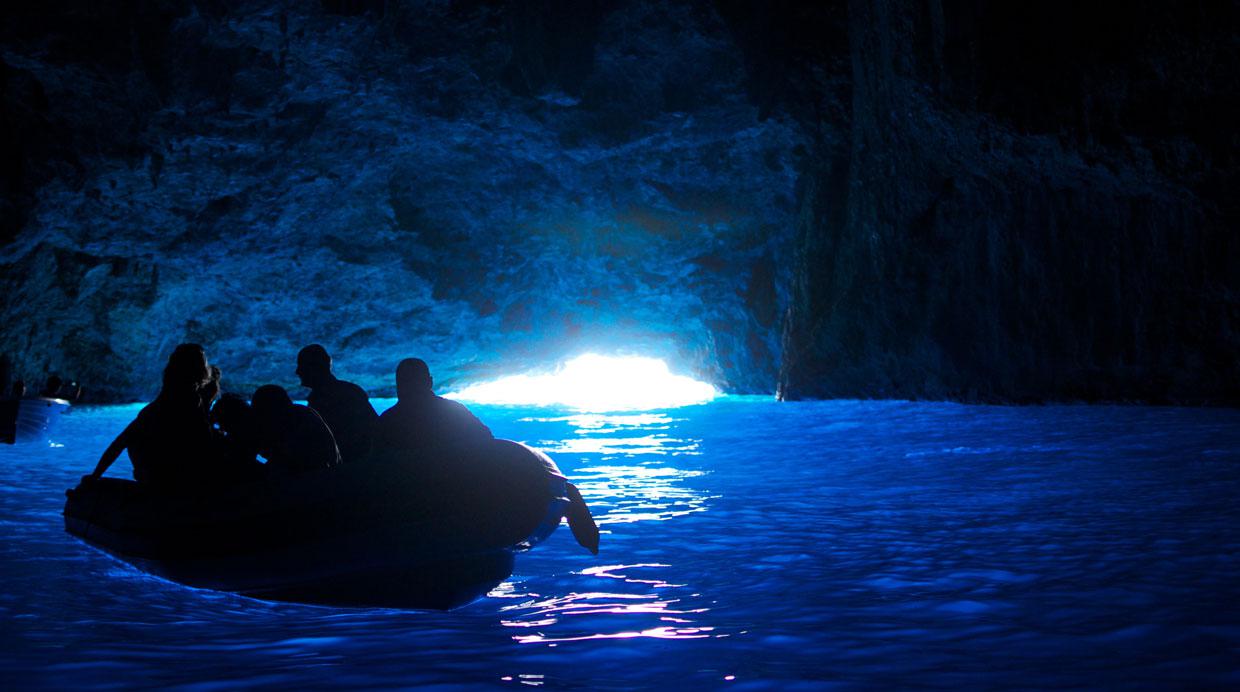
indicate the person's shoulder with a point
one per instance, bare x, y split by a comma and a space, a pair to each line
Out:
452, 405
355, 389
351, 389
393, 411
152, 410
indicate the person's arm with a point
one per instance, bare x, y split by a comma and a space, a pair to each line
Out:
112, 452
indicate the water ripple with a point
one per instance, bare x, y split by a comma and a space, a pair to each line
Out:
747, 542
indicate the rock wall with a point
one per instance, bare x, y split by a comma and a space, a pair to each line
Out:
853, 198
1017, 204
491, 187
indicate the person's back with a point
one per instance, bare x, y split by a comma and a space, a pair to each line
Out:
238, 459
429, 423
346, 409
422, 423
8, 411
292, 437
344, 406
170, 443
51, 389
439, 440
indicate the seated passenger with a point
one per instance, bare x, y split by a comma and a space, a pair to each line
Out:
8, 413
170, 443
422, 426
51, 390
422, 422
72, 391
239, 439
293, 438
344, 406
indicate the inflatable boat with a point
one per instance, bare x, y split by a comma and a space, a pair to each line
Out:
355, 535
32, 419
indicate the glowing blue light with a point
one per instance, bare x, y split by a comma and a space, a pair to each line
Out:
596, 383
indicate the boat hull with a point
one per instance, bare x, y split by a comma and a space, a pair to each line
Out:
33, 419
344, 537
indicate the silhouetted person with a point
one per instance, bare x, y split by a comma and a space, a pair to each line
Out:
6, 373
72, 391
423, 423
344, 406
292, 437
51, 390
238, 438
9, 404
170, 442
425, 432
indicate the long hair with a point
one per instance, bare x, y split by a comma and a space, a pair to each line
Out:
186, 369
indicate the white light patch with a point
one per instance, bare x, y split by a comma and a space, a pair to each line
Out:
596, 383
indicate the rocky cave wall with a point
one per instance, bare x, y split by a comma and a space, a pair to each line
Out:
1011, 202
489, 186
854, 198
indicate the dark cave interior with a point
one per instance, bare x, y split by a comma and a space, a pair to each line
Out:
947, 199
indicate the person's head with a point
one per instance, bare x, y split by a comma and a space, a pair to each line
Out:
186, 369
413, 378
314, 365
232, 413
271, 406
269, 400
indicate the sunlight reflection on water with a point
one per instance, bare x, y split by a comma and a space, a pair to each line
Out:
615, 435
629, 599
646, 599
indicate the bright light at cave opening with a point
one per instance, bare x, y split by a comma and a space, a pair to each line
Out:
596, 383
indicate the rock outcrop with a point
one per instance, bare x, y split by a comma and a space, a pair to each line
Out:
1012, 202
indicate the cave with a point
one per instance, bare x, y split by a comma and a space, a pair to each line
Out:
948, 290
819, 201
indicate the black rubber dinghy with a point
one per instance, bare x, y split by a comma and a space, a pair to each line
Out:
359, 535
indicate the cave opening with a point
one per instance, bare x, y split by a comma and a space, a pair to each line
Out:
595, 383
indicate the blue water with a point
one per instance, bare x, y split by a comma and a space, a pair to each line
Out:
747, 544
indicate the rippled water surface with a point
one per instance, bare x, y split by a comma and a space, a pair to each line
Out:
747, 544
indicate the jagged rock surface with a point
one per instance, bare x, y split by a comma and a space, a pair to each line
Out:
405, 179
